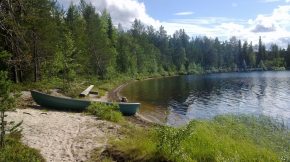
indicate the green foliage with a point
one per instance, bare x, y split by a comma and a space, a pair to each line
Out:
182, 70
262, 65
252, 60
106, 111
4, 56
99, 42
107, 160
44, 85
7, 102
194, 69
65, 62
170, 139
228, 141
139, 145
225, 138
74, 90
15, 151
47, 41
276, 63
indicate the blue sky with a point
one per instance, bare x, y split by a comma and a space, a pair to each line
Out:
244, 9
245, 19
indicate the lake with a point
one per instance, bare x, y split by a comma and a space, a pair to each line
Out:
176, 100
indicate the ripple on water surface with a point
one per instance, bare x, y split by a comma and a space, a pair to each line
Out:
176, 100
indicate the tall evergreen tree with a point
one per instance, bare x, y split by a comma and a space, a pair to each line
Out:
288, 56
38, 23
102, 55
261, 50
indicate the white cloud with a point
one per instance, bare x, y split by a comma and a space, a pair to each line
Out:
125, 11
184, 13
273, 28
122, 11
234, 4
221, 27
277, 25
270, 1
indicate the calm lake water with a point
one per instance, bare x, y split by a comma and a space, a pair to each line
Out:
176, 100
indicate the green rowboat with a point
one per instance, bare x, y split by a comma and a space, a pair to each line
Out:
57, 102
128, 109
63, 103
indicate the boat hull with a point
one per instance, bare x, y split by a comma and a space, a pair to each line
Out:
62, 103
128, 109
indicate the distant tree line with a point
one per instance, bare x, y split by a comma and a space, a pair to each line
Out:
38, 39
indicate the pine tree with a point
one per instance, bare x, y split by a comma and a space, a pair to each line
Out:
12, 35
41, 32
76, 26
101, 53
7, 102
66, 62
288, 56
260, 51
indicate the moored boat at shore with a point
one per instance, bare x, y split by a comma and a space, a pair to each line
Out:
63, 103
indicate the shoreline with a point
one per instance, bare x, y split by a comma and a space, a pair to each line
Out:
65, 135
114, 95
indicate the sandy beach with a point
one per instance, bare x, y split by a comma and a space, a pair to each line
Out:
61, 136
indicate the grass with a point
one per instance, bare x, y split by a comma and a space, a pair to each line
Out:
44, 85
139, 145
225, 138
15, 151
105, 111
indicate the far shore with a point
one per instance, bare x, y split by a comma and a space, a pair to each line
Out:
114, 94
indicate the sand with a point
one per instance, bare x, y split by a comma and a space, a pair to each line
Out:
62, 136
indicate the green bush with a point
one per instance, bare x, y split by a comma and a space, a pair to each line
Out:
106, 111
170, 139
15, 151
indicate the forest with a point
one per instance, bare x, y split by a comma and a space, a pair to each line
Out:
40, 40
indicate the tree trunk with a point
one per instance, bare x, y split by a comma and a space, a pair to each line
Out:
2, 116
35, 55
20, 74
16, 77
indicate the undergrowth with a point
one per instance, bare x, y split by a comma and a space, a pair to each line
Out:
15, 151
106, 111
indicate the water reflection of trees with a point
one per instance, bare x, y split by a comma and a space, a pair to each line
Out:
209, 95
